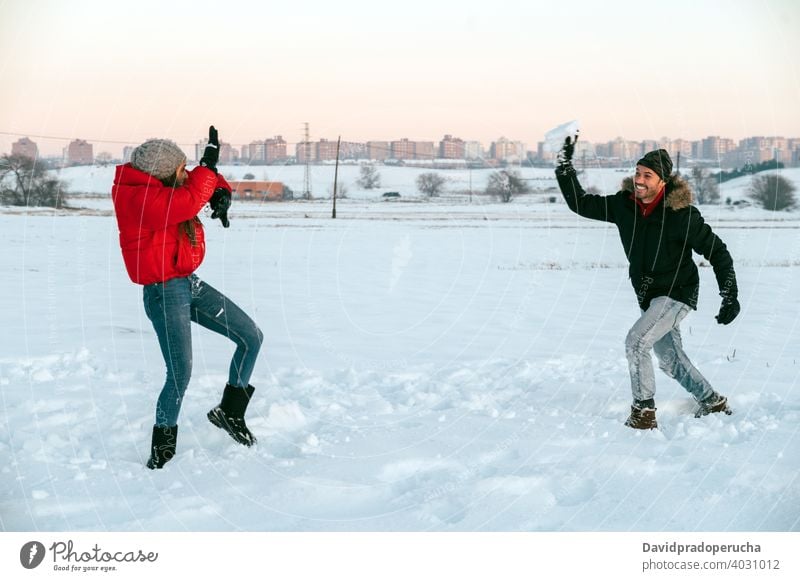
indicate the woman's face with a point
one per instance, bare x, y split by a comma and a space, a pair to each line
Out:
181, 175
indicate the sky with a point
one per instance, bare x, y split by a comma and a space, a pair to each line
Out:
121, 72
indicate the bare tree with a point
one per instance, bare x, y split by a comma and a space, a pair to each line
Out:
772, 192
26, 182
369, 178
704, 186
505, 184
430, 184
103, 158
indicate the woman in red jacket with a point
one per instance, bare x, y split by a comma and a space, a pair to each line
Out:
156, 202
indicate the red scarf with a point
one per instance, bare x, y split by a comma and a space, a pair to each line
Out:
648, 209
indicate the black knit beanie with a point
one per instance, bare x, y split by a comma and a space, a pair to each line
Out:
658, 161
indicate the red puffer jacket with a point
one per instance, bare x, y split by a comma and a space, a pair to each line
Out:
154, 247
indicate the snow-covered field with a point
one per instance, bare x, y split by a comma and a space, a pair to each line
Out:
427, 366
97, 180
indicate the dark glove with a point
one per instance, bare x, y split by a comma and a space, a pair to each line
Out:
220, 202
211, 153
728, 311
565, 155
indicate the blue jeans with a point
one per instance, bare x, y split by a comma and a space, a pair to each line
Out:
171, 306
658, 330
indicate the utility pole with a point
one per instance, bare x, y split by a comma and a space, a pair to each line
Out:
336, 176
307, 174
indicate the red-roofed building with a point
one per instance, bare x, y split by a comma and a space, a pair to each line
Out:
260, 190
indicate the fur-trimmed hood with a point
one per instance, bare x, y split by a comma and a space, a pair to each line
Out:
679, 194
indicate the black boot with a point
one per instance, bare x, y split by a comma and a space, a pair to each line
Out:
162, 448
229, 414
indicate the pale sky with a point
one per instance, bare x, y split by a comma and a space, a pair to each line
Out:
123, 71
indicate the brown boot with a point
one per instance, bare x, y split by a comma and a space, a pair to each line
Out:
713, 405
642, 418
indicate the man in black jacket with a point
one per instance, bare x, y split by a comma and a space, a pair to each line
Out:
659, 229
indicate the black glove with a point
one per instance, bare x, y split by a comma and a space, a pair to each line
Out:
565, 155
220, 202
728, 311
211, 153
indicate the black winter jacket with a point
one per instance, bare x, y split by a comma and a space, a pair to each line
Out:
659, 247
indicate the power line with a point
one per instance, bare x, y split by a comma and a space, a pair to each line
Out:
59, 138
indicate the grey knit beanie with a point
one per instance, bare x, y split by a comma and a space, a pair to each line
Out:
158, 157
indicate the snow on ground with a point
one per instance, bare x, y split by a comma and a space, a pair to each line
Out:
427, 366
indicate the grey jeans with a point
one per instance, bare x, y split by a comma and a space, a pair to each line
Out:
657, 330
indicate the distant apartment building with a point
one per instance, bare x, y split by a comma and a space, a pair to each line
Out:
473, 150
755, 150
794, 148
424, 150
676, 146
645, 146
714, 148
623, 149
760, 142
227, 154
275, 149
261, 152
127, 152
353, 150
451, 148
254, 153
79, 152
584, 153
407, 149
199, 148
543, 151
402, 149
324, 150
506, 150
267, 151
743, 157
25, 147
378, 150
303, 151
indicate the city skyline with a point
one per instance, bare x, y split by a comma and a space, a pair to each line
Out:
421, 70
276, 151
